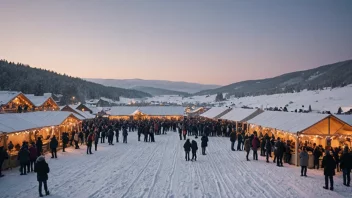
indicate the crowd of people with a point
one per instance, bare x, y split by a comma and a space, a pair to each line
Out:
96, 131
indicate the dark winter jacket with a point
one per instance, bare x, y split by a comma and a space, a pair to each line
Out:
96, 138
255, 142
124, 132
187, 146
194, 146
33, 153
3, 155
268, 146
54, 143
303, 158
233, 137
247, 145
39, 145
329, 165
42, 169
23, 156
279, 148
346, 161
204, 141
239, 138
317, 153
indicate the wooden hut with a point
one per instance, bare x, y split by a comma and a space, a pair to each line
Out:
43, 103
13, 102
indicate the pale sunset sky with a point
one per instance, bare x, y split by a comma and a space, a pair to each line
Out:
212, 42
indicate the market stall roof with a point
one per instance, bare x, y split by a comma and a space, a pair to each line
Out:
346, 118
214, 112
162, 110
122, 110
14, 122
7, 96
287, 121
38, 100
83, 114
241, 115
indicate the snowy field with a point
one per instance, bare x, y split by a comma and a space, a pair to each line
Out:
320, 100
154, 170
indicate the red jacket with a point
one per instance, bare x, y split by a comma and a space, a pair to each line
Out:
33, 153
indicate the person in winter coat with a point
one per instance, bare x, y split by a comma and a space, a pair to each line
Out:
42, 170
96, 140
184, 132
262, 147
117, 134
81, 137
65, 140
233, 138
10, 146
151, 134
103, 134
303, 161
53, 146
23, 157
76, 139
239, 141
89, 143
247, 147
329, 166
204, 144
180, 130
125, 134
32, 155
317, 154
279, 147
187, 147
3, 157
255, 146
39, 145
346, 166
194, 147
335, 153
268, 149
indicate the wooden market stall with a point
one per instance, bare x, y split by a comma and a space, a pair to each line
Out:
11, 101
301, 129
86, 115
43, 103
18, 128
123, 112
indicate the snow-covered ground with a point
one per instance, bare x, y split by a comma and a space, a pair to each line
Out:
322, 100
139, 169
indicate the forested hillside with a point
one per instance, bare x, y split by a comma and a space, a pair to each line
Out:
20, 77
332, 75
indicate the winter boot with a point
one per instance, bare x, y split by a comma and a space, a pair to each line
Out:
47, 193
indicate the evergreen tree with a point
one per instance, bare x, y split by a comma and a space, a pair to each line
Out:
339, 111
310, 108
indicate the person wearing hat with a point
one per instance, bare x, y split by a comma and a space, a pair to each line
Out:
42, 169
329, 166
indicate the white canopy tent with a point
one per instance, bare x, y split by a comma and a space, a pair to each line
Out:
214, 112
240, 114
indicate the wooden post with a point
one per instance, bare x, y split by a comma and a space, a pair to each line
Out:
296, 149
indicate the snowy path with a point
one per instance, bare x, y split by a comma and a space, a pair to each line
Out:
154, 170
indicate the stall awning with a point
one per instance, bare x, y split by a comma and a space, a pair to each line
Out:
14, 122
287, 121
214, 112
241, 115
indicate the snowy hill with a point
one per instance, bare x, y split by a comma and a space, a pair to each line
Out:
332, 75
159, 92
161, 84
320, 100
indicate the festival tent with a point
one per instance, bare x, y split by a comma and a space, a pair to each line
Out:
215, 112
241, 114
168, 112
302, 128
122, 112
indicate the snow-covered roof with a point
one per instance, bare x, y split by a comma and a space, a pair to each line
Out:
122, 110
287, 121
346, 118
7, 96
239, 114
214, 112
346, 109
96, 110
163, 110
14, 122
37, 100
85, 114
